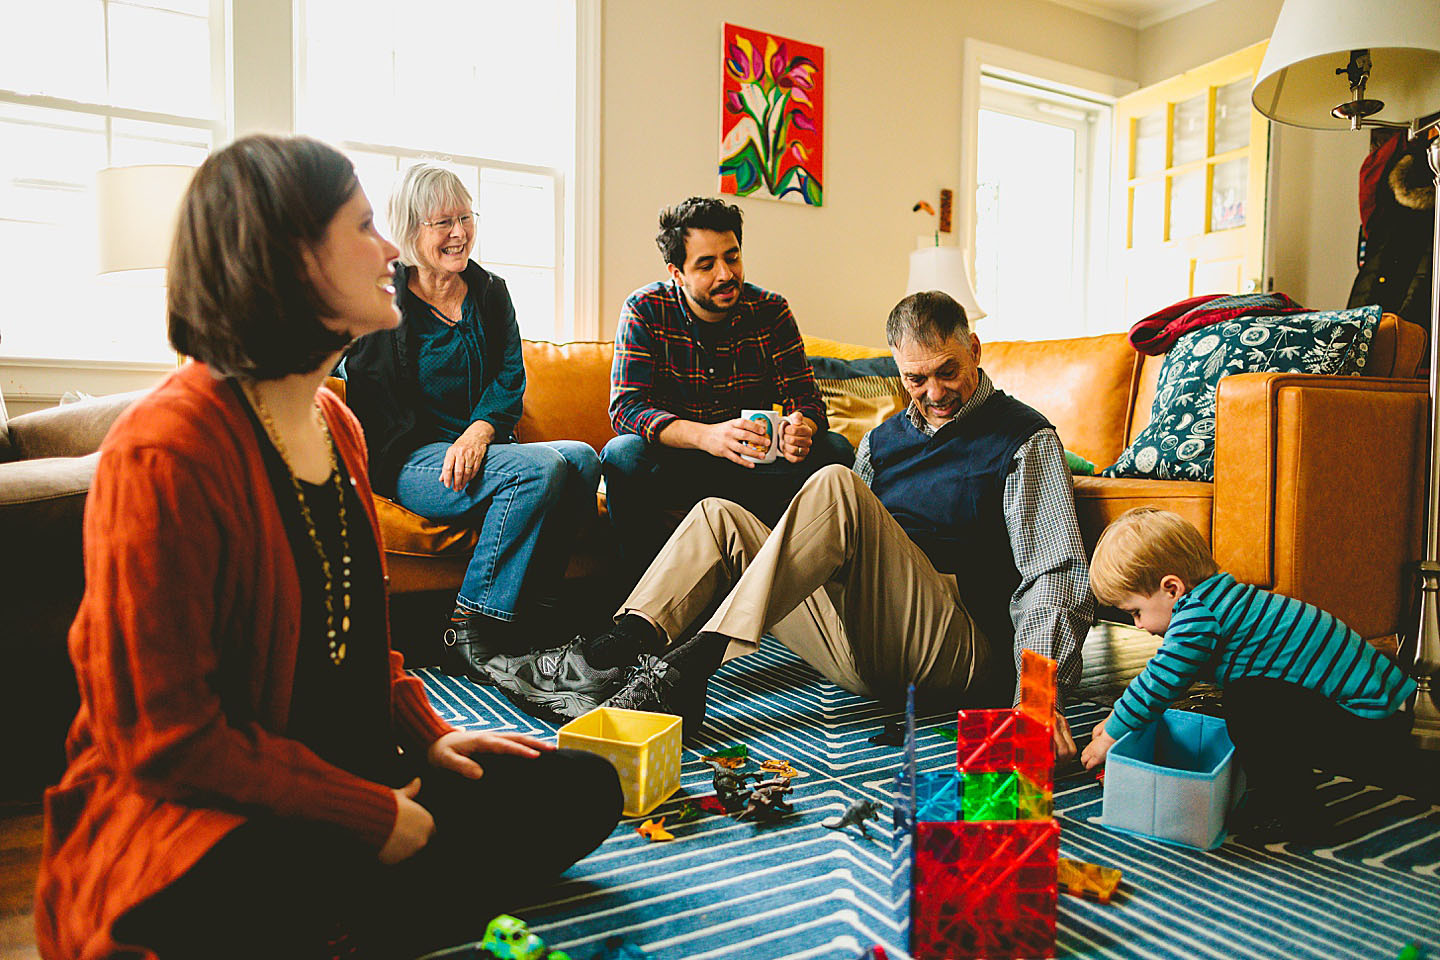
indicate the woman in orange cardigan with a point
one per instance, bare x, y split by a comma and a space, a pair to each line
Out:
252, 773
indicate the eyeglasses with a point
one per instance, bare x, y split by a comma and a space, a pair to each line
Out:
445, 223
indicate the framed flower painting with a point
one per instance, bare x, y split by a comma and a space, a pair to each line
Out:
772, 117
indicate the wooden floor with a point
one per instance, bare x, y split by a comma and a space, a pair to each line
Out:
1113, 654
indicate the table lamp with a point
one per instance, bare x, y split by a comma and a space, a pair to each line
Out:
943, 269
136, 210
1343, 65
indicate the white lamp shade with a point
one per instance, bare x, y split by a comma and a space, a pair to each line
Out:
1297, 83
136, 212
943, 269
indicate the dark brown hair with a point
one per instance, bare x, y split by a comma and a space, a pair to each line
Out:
240, 298
696, 213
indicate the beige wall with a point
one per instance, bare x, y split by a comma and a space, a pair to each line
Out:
1312, 207
892, 110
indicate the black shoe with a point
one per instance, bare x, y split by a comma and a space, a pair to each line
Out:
470, 644
660, 687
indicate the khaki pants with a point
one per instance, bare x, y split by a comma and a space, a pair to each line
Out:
837, 581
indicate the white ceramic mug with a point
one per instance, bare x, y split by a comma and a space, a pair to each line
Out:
772, 423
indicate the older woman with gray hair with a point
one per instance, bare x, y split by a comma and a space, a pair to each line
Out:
439, 398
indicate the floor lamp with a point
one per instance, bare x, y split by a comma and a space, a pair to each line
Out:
1387, 56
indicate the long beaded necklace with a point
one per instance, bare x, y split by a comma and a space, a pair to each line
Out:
336, 637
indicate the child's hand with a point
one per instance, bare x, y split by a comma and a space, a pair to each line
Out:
1100, 744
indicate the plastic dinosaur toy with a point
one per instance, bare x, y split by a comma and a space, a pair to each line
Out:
731, 788
767, 800
508, 938
855, 815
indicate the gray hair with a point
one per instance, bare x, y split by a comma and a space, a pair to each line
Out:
930, 318
423, 189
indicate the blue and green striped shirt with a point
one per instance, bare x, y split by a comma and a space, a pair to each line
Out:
1225, 631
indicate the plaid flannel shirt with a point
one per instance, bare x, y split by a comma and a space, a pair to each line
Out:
663, 371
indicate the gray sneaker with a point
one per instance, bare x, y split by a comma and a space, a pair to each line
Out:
657, 686
557, 684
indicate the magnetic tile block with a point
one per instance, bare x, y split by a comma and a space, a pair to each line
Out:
1088, 880
991, 741
1003, 796
1037, 687
984, 889
644, 749
937, 796
1175, 780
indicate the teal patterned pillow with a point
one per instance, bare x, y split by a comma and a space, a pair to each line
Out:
1179, 443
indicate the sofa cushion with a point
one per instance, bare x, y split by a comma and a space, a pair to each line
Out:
567, 392
1081, 385
1099, 500
408, 534
859, 394
1179, 442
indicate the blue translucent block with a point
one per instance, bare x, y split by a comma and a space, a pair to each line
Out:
937, 796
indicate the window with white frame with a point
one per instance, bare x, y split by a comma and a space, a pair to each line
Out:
1040, 209
81, 88
486, 87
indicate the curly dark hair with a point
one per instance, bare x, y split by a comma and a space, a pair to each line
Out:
240, 298
696, 213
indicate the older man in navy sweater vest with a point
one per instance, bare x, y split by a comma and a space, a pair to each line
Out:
949, 547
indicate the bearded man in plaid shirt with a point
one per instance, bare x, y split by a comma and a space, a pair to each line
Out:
691, 353
950, 548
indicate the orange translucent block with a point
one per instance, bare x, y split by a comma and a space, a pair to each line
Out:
984, 889
1087, 879
1037, 687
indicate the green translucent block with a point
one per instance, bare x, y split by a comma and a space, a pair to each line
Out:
1007, 795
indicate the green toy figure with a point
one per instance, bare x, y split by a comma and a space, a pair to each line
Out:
508, 938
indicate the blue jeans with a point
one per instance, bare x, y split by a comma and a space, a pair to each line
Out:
528, 500
644, 482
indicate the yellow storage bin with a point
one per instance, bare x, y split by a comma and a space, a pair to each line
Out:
643, 747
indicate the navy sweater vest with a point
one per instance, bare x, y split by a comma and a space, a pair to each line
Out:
947, 493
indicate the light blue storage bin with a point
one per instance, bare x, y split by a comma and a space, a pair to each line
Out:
1174, 780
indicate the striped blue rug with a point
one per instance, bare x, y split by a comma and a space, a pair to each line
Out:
793, 889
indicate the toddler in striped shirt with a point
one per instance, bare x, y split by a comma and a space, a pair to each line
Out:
1301, 689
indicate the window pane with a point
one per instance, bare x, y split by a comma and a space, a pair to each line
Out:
1026, 172
56, 48
517, 218
48, 236
1227, 204
1187, 204
532, 290
134, 141
159, 60
1147, 215
1232, 116
1150, 143
1189, 130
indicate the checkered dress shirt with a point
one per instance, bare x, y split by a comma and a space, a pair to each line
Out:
664, 371
1052, 608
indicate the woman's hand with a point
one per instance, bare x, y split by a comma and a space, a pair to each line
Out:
454, 750
413, 826
463, 459
1100, 744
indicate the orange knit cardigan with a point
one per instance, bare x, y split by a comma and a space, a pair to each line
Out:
192, 604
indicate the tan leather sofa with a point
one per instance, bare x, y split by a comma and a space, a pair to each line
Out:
47, 460
1318, 483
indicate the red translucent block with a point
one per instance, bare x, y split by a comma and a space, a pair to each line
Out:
984, 889
1001, 741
